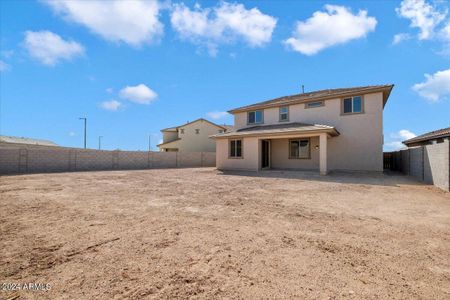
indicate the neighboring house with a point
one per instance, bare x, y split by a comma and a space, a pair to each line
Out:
26, 141
191, 137
335, 129
433, 137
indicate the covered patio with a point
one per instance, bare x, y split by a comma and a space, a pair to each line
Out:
283, 146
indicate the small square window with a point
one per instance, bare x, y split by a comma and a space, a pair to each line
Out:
353, 105
284, 114
220, 131
255, 117
181, 131
197, 131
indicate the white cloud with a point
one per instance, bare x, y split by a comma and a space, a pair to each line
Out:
224, 23
133, 22
49, 48
445, 33
422, 15
403, 135
397, 138
140, 93
394, 146
337, 25
400, 37
112, 105
3, 66
436, 86
216, 115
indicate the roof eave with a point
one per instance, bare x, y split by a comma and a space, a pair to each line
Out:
418, 140
332, 131
387, 89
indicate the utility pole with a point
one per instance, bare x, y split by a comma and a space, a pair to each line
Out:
85, 123
100, 142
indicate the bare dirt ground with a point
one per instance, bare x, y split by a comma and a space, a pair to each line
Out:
199, 233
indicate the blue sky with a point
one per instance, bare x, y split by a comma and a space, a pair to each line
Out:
133, 68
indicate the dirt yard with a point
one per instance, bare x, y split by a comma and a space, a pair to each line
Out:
199, 233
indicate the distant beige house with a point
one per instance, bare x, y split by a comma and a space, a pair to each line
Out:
335, 129
191, 137
25, 141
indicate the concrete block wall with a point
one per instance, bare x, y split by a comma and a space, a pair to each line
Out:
17, 158
416, 162
430, 163
437, 164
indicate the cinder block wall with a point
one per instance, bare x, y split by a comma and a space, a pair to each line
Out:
437, 164
430, 163
18, 158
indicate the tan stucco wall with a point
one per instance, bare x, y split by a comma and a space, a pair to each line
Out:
280, 156
192, 142
360, 143
249, 161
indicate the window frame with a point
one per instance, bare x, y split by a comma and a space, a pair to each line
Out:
352, 112
181, 130
254, 111
197, 131
299, 139
280, 113
322, 103
229, 149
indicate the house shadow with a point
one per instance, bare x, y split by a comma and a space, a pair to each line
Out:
387, 178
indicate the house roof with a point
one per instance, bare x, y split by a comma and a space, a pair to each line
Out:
278, 129
188, 123
318, 95
445, 132
23, 140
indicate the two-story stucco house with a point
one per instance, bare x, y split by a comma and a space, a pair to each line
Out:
191, 137
336, 129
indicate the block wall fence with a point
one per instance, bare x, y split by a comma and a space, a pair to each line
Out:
21, 159
430, 163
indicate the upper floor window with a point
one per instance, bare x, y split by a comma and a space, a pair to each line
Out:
352, 105
314, 104
197, 131
220, 131
181, 131
284, 114
255, 117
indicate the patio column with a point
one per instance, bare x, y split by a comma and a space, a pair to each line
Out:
323, 154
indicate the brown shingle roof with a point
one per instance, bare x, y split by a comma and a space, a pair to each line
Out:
286, 128
316, 95
445, 132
